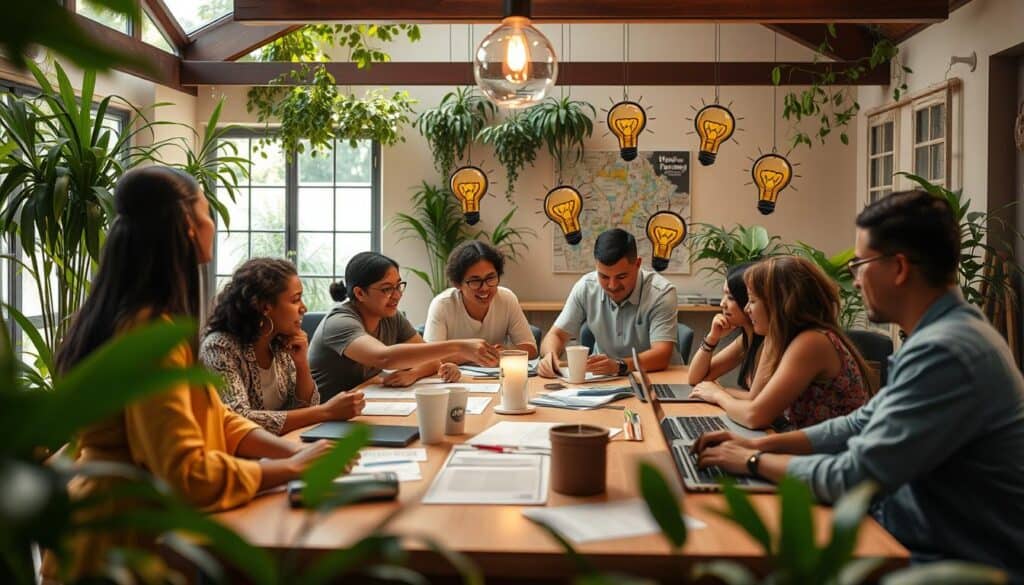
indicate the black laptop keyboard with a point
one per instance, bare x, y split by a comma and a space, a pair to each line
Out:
688, 428
686, 461
663, 390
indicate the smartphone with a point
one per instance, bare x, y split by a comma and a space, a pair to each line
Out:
352, 488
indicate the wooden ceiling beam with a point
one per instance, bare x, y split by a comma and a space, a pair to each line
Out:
852, 41
165, 21
462, 11
578, 73
227, 40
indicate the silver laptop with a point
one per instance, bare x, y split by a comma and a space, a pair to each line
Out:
666, 392
681, 432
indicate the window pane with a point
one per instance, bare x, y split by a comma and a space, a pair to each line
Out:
232, 250
316, 209
876, 172
315, 254
194, 14
316, 294
103, 15
886, 170
31, 305
353, 165
921, 125
346, 246
938, 158
875, 140
268, 165
268, 209
268, 244
316, 168
921, 161
938, 121
888, 137
354, 209
152, 35
238, 211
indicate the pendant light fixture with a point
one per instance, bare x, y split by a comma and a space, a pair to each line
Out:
666, 230
515, 66
771, 172
713, 123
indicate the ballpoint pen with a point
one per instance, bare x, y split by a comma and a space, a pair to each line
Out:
394, 462
501, 449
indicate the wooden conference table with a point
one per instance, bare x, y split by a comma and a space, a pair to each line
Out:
507, 546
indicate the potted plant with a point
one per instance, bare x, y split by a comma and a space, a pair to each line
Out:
515, 144
563, 125
851, 304
453, 125
729, 247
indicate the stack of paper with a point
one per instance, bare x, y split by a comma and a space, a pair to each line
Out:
472, 476
581, 398
404, 462
477, 404
530, 435
389, 408
602, 521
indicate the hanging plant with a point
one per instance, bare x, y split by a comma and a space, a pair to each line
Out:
376, 117
453, 125
562, 126
834, 108
515, 145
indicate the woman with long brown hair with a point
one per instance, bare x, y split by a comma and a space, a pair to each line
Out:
808, 370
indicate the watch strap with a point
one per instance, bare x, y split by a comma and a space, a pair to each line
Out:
753, 462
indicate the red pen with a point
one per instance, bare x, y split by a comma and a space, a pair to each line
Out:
501, 449
497, 448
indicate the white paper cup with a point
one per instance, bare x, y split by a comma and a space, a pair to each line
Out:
431, 411
577, 355
455, 419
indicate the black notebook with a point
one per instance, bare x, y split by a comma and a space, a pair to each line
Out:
380, 435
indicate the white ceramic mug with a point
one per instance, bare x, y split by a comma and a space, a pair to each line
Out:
577, 355
431, 412
455, 419
514, 375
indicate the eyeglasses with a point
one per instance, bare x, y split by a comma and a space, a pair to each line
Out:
854, 264
391, 290
478, 283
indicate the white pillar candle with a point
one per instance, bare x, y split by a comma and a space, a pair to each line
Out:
513, 379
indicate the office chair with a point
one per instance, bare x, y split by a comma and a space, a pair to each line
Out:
310, 321
684, 340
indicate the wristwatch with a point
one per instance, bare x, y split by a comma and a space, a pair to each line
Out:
623, 369
753, 461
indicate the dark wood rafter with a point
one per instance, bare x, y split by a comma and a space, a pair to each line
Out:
164, 68
578, 73
227, 40
165, 21
852, 41
305, 11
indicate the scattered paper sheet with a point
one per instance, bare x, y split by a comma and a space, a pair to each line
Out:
376, 391
414, 454
389, 408
406, 470
472, 476
591, 377
602, 521
477, 404
579, 397
480, 388
532, 435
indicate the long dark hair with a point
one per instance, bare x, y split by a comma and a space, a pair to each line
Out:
738, 290
149, 264
364, 269
255, 283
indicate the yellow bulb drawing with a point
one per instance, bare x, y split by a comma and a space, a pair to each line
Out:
771, 173
627, 120
516, 66
665, 230
563, 206
714, 124
469, 185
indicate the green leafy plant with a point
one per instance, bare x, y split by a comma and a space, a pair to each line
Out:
729, 247
453, 125
851, 304
515, 144
563, 125
833, 108
56, 195
376, 117
437, 222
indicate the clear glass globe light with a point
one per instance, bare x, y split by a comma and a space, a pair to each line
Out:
515, 66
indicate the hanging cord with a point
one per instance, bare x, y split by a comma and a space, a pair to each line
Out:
561, 86
625, 62
469, 55
775, 93
718, 57
450, 43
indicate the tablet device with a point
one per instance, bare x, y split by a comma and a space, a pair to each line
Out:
380, 435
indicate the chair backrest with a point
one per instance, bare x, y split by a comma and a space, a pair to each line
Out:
310, 321
684, 340
420, 329
536, 335
876, 349
587, 337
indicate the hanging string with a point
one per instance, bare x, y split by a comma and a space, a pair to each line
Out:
469, 56
561, 86
775, 94
718, 57
625, 63
450, 43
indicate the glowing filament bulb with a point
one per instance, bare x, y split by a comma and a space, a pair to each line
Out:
517, 59
469, 185
771, 173
563, 206
665, 230
714, 124
627, 120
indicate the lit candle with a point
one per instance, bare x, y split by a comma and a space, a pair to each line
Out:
513, 379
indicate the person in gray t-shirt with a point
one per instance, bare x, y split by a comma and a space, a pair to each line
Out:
364, 334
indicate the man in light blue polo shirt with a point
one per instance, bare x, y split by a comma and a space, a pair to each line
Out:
945, 437
624, 307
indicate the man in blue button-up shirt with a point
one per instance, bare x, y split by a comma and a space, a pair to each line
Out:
945, 436
624, 306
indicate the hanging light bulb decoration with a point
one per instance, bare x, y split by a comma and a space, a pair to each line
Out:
515, 66
771, 173
627, 120
469, 184
563, 205
714, 124
665, 230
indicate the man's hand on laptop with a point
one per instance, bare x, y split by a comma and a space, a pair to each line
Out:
729, 455
602, 365
716, 438
547, 367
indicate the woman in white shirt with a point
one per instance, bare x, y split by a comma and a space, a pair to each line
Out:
476, 307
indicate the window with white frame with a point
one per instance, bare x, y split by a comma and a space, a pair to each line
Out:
317, 211
881, 155
930, 145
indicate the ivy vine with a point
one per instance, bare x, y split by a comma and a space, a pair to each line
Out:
515, 145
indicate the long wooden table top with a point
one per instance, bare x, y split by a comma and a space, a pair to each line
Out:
554, 306
506, 545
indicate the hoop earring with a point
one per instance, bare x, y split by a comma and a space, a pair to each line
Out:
265, 320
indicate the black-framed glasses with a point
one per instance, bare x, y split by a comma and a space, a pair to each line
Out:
477, 283
855, 263
390, 290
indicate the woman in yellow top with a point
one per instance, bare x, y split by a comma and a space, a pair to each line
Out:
185, 436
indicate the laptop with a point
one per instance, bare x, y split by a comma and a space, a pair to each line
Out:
380, 435
666, 392
681, 432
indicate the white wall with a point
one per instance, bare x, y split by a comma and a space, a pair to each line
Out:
818, 208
